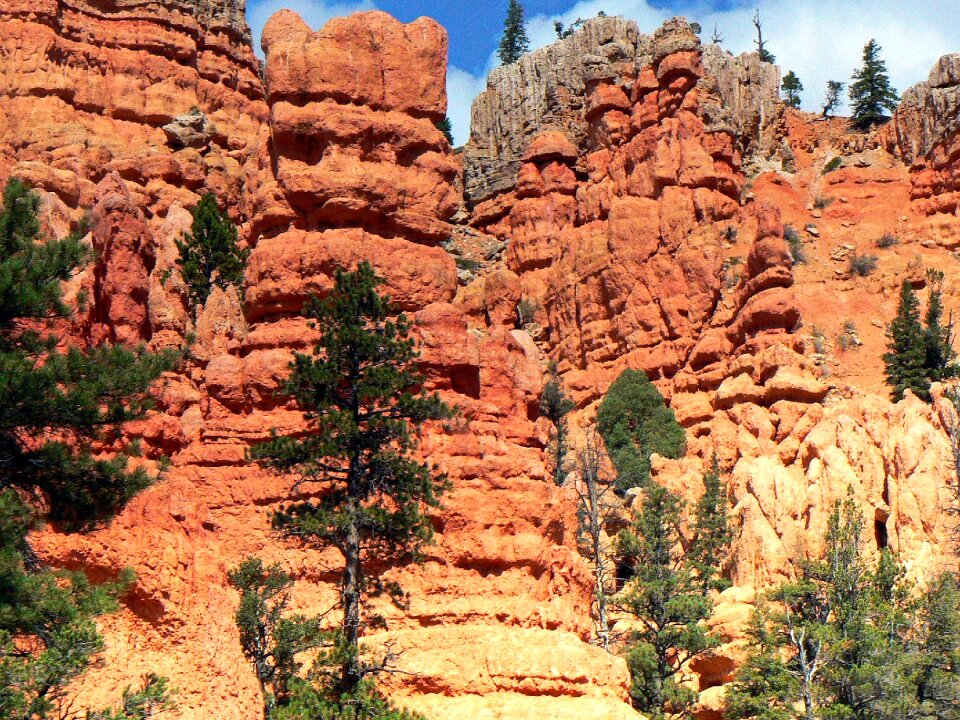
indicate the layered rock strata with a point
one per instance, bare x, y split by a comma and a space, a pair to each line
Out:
350, 166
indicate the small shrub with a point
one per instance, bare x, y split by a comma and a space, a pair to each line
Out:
834, 164
819, 340
821, 202
862, 265
467, 264
731, 274
795, 243
446, 127
887, 240
847, 338
730, 234
526, 312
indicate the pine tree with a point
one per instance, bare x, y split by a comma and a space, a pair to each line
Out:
514, 42
870, 91
845, 641
446, 127
363, 395
905, 359
555, 405
938, 338
635, 422
832, 99
765, 55
665, 596
271, 638
77, 397
764, 687
792, 86
712, 533
209, 254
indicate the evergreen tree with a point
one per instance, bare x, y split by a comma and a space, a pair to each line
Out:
844, 644
905, 359
870, 91
764, 687
667, 599
514, 42
363, 393
919, 355
937, 657
938, 338
792, 87
209, 254
832, 99
765, 55
271, 638
275, 641
555, 405
151, 700
75, 396
446, 127
635, 422
712, 533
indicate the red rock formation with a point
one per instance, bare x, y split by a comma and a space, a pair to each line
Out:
624, 224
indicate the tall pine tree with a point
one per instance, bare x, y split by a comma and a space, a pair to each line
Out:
514, 41
667, 599
712, 533
870, 92
363, 395
209, 254
905, 359
78, 397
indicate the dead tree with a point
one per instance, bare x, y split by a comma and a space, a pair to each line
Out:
596, 504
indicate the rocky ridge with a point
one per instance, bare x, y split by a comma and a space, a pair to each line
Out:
628, 215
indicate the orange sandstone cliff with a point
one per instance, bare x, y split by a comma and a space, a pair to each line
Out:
632, 190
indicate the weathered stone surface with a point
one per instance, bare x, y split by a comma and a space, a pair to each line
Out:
566, 85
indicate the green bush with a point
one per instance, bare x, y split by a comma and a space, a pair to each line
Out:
862, 265
635, 422
834, 164
822, 202
887, 240
795, 243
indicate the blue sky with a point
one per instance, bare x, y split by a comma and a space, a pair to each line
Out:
818, 39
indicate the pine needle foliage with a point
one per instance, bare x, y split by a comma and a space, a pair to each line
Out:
209, 254
870, 92
634, 422
667, 598
76, 396
919, 354
514, 42
555, 405
360, 490
792, 87
712, 533
851, 640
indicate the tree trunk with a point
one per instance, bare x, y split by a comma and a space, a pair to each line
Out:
350, 670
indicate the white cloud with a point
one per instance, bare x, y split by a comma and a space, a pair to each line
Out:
462, 88
820, 40
314, 12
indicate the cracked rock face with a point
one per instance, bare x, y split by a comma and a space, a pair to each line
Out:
551, 89
192, 129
